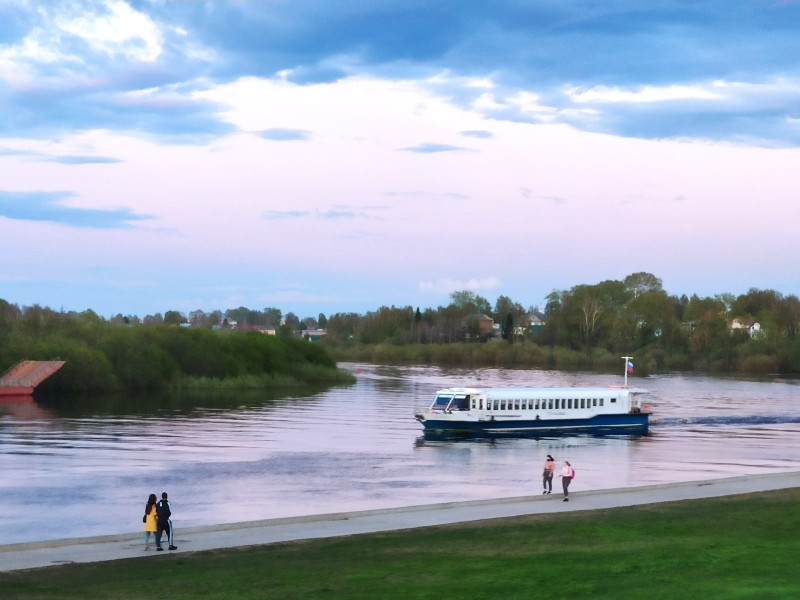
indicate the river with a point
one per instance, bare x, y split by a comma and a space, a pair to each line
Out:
85, 470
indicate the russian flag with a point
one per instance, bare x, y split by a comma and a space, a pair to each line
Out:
630, 367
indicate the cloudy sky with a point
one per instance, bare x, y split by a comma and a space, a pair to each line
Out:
325, 157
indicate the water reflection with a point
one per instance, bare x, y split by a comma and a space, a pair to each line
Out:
154, 404
236, 457
24, 408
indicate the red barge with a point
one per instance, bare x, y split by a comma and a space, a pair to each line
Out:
23, 377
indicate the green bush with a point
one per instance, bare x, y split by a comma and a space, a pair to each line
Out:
104, 357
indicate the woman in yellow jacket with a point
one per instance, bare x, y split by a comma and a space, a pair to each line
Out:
149, 520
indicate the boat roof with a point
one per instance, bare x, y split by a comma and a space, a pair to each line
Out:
519, 392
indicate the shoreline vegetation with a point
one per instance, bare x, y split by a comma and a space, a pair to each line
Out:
710, 548
588, 327
101, 357
529, 355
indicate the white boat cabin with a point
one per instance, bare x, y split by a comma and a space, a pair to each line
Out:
545, 402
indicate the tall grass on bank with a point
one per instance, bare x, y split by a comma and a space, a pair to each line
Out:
104, 358
496, 354
529, 354
303, 375
722, 548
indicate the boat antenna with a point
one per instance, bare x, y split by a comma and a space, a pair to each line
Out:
628, 367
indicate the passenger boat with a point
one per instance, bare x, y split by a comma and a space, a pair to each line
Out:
537, 410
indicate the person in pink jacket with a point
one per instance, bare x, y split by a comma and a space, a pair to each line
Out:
567, 473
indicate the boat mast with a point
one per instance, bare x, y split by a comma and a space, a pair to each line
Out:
625, 368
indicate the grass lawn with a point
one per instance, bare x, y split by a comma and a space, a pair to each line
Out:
735, 547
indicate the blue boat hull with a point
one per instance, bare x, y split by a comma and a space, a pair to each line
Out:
627, 424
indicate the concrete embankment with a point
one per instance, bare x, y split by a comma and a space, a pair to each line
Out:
97, 549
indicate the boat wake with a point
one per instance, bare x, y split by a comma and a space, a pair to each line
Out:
726, 420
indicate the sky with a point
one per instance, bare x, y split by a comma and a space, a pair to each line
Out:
326, 157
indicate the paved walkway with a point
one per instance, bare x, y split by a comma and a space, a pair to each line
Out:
96, 549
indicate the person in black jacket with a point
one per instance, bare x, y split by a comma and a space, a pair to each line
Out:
163, 513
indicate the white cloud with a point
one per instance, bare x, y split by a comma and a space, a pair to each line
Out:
119, 30
528, 103
448, 286
613, 94
487, 101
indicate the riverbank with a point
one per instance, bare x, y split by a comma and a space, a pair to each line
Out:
32, 555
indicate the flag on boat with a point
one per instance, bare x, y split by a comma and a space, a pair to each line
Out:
630, 367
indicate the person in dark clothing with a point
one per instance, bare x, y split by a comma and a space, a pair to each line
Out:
163, 513
547, 475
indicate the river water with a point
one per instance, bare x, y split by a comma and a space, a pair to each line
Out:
85, 467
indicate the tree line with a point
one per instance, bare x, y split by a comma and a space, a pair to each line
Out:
591, 325
101, 355
588, 325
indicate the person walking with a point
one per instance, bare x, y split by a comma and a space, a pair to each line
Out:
567, 474
547, 475
149, 520
164, 523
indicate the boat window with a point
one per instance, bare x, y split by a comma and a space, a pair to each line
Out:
594, 401
460, 402
583, 402
537, 404
613, 400
502, 404
602, 400
569, 403
516, 404
441, 402
550, 403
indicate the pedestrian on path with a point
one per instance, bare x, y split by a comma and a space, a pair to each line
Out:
547, 475
567, 475
149, 520
164, 523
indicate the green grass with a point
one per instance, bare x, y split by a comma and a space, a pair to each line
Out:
735, 547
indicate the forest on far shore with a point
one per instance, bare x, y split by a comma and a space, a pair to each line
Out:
586, 327
589, 326
102, 356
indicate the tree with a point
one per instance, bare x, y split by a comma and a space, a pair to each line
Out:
588, 308
271, 317
640, 283
788, 318
155, 319
173, 317
505, 306
469, 303
242, 316
508, 328
555, 331
198, 318
388, 324
292, 322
